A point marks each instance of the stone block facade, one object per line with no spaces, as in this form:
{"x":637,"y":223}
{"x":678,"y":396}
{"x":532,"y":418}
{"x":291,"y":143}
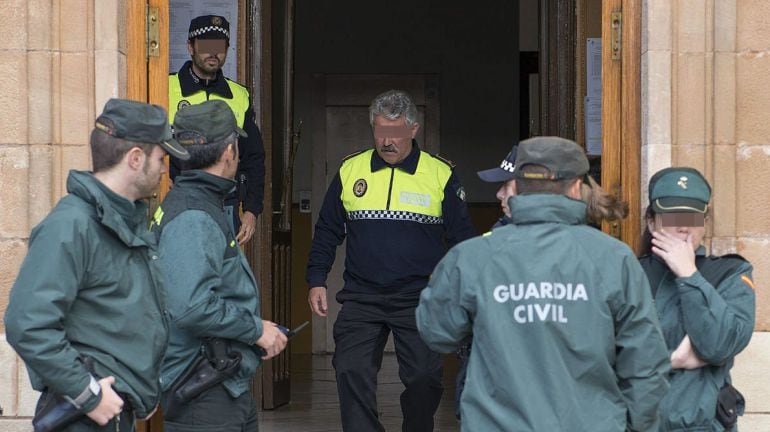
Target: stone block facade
{"x":704,"y":103}
{"x":63,"y":60}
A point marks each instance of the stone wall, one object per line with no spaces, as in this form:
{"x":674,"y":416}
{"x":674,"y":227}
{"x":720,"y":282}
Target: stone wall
{"x":62,"y":60}
{"x":706,"y":104}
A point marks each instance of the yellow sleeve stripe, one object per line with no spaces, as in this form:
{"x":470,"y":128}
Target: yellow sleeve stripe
{"x":747,"y":280}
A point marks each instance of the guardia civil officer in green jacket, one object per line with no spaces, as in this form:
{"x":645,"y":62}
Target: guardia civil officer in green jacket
{"x":565,"y":335}
{"x":87,"y":312}
{"x":705,"y":304}
{"x":212,"y":292}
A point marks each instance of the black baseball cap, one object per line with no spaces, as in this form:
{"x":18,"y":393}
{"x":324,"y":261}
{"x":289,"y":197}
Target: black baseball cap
{"x":204,"y":123}
{"x":563,"y":158}
{"x":501,"y":173}
{"x":209,"y":27}
{"x":139,"y":122}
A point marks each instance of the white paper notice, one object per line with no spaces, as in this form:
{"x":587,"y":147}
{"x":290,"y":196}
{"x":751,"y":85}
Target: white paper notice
{"x":593,"y":116}
{"x":594,"y":67}
{"x":181,"y":12}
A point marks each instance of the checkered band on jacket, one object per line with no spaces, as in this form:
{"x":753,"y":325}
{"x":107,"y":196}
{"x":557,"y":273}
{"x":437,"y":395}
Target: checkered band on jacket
{"x":395,"y":215}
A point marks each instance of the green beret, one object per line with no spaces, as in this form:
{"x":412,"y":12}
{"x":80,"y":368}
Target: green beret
{"x":679,"y":190}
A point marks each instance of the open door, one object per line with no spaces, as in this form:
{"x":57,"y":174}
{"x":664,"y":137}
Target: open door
{"x":621,"y":112}
{"x":147,"y":81}
{"x":562,"y":81}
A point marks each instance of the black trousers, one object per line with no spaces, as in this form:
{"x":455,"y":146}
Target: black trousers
{"x":214,"y":411}
{"x":360,"y":334}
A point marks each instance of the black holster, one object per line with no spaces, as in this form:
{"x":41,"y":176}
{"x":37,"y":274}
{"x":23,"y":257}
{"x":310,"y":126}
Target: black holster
{"x":58,"y":412}
{"x":730,"y":405}
{"x":215,"y":363}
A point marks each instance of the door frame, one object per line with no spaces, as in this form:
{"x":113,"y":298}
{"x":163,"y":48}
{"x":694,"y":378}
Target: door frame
{"x":621,"y":117}
{"x":621,"y":98}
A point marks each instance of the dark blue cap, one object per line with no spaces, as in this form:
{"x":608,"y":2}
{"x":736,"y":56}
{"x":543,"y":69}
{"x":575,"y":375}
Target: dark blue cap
{"x":504,"y":172}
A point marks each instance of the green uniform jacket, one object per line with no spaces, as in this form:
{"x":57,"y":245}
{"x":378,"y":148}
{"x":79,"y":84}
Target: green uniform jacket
{"x":565,"y":336}
{"x":90,"y":286}
{"x":211,"y":289}
{"x":719,"y":321}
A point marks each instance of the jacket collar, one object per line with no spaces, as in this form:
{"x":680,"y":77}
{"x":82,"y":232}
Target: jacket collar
{"x":408,"y":165}
{"x":212,"y":187}
{"x":191,"y":83}
{"x":545,"y":208}
{"x":127,"y":219}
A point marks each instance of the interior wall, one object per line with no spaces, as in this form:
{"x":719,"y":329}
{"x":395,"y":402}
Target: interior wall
{"x":473,"y":50}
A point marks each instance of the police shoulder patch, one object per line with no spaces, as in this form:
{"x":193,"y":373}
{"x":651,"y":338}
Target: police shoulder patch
{"x":445,"y":160}
{"x":461,"y":193}
{"x":356,"y":153}
{"x":182,"y":103}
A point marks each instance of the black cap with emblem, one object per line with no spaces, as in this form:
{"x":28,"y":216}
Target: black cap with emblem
{"x":209,"y":27}
{"x":501,"y":173}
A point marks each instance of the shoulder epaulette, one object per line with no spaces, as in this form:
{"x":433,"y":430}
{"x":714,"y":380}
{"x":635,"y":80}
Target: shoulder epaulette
{"x":729,"y":256}
{"x":442,"y":159}
{"x":236,"y":82}
{"x":355,"y":153}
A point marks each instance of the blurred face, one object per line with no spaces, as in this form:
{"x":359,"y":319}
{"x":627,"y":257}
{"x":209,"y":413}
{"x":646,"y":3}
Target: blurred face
{"x":507,"y":190}
{"x":208,"y":56}
{"x":680,"y":225}
{"x":153,"y":169}
{"x":393,"y":138}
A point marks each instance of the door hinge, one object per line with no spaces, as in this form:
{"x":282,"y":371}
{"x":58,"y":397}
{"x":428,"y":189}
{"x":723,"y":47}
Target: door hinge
{"x":153,"y":32}
{"x":617,"y":35}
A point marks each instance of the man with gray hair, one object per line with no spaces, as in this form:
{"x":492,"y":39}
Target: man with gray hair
{"x":399,"y":208}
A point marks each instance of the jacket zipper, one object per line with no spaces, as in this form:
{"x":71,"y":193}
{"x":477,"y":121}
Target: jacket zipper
{"x":390,"y":188}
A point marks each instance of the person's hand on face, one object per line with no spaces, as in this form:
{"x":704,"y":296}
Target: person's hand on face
{"x":678,"y":254}
{"x":675,"y":237}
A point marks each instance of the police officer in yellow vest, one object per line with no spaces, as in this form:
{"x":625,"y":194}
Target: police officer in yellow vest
{"x":201,"y":79}
{"x":399,"y":208}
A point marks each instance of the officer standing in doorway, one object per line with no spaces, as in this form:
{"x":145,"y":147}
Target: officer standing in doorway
{"x":399,"y":208}
{"x":565,"y":335}
{"x":201,"y":79}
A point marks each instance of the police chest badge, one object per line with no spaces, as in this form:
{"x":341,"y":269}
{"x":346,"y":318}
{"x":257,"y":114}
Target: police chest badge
{"x":182,"y":103}
{"x":359,"y":188}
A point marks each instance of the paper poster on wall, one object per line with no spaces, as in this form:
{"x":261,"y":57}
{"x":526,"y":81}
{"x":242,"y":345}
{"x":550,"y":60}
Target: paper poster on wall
{"x":593,"y":125}
{"x":181,"y":12}
{"x":594,"y":67}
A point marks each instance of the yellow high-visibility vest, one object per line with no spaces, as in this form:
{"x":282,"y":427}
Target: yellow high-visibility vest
{"x":390,"y":193}
{"x":239,"y":102}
